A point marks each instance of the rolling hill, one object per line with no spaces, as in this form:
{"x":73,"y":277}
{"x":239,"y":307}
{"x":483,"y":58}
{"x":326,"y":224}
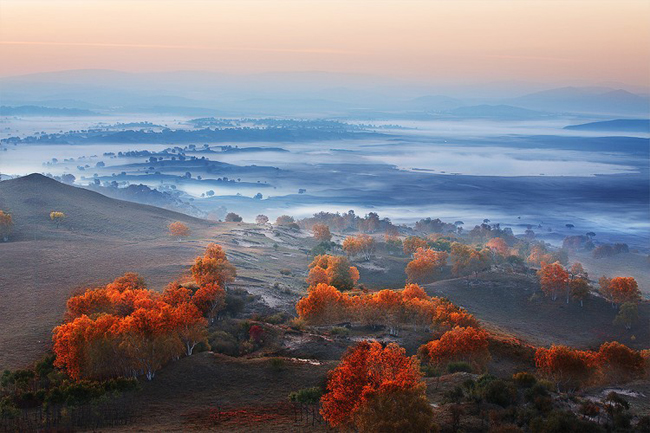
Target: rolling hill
{"x":617,"y":125}
{"x":101,"y":238}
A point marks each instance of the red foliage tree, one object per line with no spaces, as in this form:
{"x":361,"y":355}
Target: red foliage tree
{"x":569,"y":368}
{"x":619,"y":363}
{"x":554,"y":280}
{"x":178,"y":230}
{"x":366,"y":371}
{"x":459,"y":344}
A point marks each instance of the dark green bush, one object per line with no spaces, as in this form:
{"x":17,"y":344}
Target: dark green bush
{"x":307,"y":395}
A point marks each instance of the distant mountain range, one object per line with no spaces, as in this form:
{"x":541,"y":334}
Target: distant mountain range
{"x":585,"y":100}
{"x":301,"y":94}
{"x":618,"y":125}
{"x":34,"y":110}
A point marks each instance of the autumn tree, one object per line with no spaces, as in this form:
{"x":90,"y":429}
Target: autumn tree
{"x":619,"y":363}
{"x":412,"y":243}
{"x":465,"y":260}
{"x":568,"y":368}
{"x":261,"y":219}
{"x":332,"y":270}
{"x":372,"y":378}
{"x":57,"y":217}
{"x":554,"y":280}
{"x":622,"y":289}
{"x":321,"y":232}
{"x":286,"y":221}
{"x":124,"y":329}
{"x":425,"y":263}
{"x":178,"y":230}
{"x":362,"y":244}
{"x":499,"y":246}
{"x":459,"y":344}
{"x":324,"y":304}
{"x":213,"y":267}
{"x":6,"y":225}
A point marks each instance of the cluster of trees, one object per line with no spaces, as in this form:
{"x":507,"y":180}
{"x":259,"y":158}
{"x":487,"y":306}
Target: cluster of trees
{"x":466,"y":260}
{"x":425,"y":264}
{"x":571,"y":369}
{"x":232,"y":217}
{"x":574,"y":283}
{"x":125,"y":329}
{"x":377,"y":388}
{"x":468,"y":344}
{"x":325,"y":305}
{"x":428,"y":225}
{"x":538,"y":253}
{"x":6,"y":225}
{"x":602,"y":251}
{"x":362,"y":245}
{"x":349,"y":221}
{"x":332,"y":270}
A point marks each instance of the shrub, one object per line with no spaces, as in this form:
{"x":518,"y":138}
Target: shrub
{"x":307,"y":395}
{"x":524,"y":379}
{"x":500,"y":392}
{"x":223,"y":342}
{"x":277,"y":364}
{"x":285,"y":271}
{"x":459,"y":366}
{"x":340,"y":331}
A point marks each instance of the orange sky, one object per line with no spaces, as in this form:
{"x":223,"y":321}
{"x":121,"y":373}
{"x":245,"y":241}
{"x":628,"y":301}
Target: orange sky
{"x":462,"y":40}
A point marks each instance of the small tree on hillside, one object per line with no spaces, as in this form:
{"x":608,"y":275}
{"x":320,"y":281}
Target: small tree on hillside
{"x":232,"y":217}
{"x":6,"y":224}
{"x":57,"y":217}
{"x":554,"y":279}
{"x":627,"y":315}
{"x":178,"y":230}
{"x":261,"y":219}
{"x":321,"y":232}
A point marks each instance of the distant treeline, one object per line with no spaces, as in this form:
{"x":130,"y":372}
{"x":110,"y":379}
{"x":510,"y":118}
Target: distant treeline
{"x":170,"y":136}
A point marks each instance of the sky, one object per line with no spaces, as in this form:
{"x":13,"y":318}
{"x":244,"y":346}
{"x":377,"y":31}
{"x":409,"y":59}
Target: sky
{"x":586,"y":41}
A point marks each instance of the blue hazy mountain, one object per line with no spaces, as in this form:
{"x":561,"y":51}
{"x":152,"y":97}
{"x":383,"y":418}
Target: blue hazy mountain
{"x":617,"y":125}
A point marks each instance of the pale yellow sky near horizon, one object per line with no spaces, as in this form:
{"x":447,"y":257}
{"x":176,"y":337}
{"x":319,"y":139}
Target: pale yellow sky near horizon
{"x":446,"y":41}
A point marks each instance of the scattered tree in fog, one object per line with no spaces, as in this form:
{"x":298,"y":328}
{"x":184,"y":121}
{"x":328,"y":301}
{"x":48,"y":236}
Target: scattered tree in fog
{"x":412,"y":243}
{"x":321,"y":232}
{"x":6,"y":225}
{"x":232,"y":217}
{"x":620,"y":290}
{"x":178,"y":230}
{"x":261,"y":219}
{"x":627,"y":315}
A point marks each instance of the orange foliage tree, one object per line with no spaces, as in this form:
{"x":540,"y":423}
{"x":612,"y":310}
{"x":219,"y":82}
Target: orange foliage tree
{"x":124,"y":329}
{"x":568,"y":368}
{"x":363,"y":245}
{"x":465,"y":260}
{"x":178,"y":230}
{"x":321,"y":232}
{"x":333,"y":270}
{"x":213,"y":267}
{"x":620,"y":290}
{"x":425,"y":263}
{"x":412,"y":243}
{"x":367,"y":372}
{"x":554,"y":279}
{"x":324,"y":305}
{"x":499,"y":246}
{"x":6,"y":224}
{"x":459,"y":344}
